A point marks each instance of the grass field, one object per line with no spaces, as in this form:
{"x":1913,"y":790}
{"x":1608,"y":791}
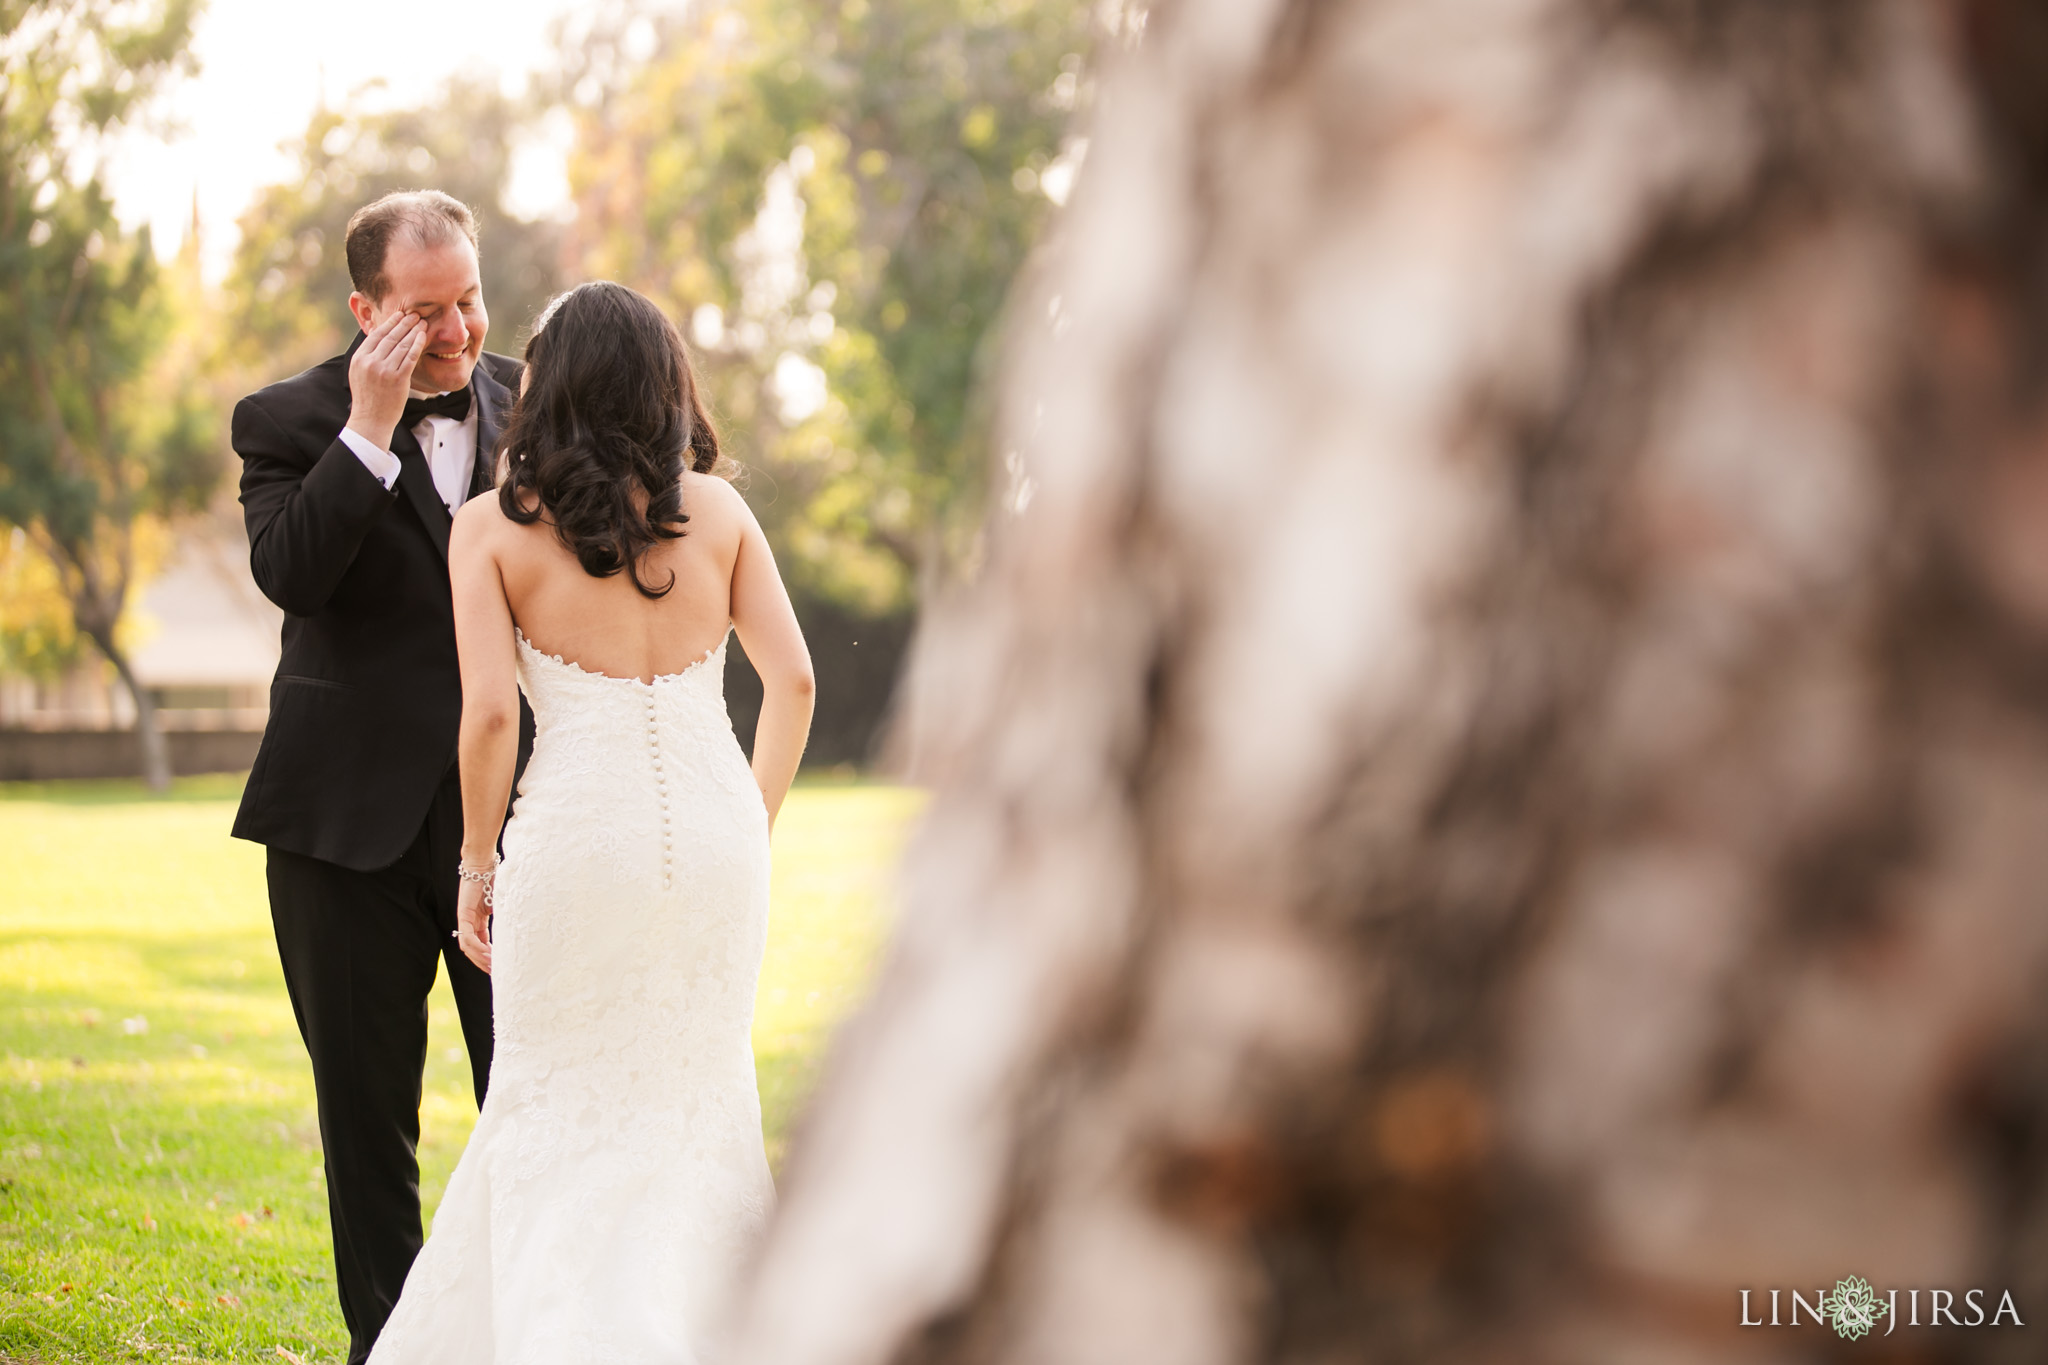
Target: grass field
{"x":161,"y":1196}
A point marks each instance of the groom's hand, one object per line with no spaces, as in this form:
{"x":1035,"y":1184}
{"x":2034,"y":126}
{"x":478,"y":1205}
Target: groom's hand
{"x":380,"y":376}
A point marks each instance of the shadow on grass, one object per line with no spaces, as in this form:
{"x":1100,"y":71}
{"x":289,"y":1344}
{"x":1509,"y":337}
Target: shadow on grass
{"x":159,"y":1194}
{"x":155,"y":1099}
{"x":126,"y":791}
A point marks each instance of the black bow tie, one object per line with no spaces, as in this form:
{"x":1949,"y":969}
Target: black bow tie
{"x":455,"y":404}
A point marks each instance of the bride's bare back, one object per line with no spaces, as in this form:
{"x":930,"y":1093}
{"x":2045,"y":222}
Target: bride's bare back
{"x":602,"y":624}
{"x":506,"y":576}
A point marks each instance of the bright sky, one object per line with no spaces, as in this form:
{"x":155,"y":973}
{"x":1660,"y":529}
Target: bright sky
{"x":264,"y":65}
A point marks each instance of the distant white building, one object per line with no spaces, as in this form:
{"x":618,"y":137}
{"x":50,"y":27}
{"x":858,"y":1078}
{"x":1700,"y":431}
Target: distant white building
{"x":209,"y":645}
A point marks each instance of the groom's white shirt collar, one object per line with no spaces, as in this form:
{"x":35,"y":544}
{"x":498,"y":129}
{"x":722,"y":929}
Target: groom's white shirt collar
{"x":450,"y":447}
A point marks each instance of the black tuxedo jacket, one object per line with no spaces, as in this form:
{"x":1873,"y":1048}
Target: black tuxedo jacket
{"x":367,"y":699}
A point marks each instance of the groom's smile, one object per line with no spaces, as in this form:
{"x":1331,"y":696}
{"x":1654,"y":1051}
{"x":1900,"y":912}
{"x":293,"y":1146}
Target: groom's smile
{"x":439,"y":283}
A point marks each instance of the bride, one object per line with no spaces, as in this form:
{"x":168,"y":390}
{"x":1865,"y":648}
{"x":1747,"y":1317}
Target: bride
{"x":616,"y":1175}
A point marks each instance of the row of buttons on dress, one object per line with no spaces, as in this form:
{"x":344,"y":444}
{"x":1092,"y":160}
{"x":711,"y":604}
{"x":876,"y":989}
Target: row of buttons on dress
{"x":660,"y":786}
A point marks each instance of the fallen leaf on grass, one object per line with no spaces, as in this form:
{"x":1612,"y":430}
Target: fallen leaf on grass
{"x":241,"y":1220}
{"x":228,"y":1301}
{"x":293,"y":1356}
{"x":66,"y":1287}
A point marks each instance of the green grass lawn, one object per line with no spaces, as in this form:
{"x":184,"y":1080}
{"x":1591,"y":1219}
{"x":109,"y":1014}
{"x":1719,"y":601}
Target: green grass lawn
{"x":161,"y":1196}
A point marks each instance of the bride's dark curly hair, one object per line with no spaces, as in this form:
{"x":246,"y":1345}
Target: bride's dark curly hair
{"x":610,"y":406}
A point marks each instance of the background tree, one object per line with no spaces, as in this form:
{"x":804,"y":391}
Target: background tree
{"x":37,"y":637}
{"x":834,"y":199}
{"x":99,"y":429}
{"x":289,"y":286}
{"x":838,"y":197}
{"x":1490,"y":796}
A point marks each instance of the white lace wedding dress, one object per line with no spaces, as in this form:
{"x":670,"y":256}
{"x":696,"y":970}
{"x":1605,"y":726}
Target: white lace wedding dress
{"x":616,"y":1176}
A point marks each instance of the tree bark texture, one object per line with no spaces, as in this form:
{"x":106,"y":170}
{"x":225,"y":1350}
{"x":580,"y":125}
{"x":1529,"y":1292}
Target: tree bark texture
{"x":1493,"y":790}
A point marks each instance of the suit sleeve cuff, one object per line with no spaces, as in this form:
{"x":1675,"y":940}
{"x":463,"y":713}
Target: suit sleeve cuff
{"x":381,"y":463}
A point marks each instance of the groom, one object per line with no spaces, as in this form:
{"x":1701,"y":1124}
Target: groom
{"x":350,"y":475}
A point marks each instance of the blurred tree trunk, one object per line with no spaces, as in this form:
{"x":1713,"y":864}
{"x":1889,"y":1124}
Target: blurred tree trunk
{"x":1493,"y":792}
{"x":94,"y":558}
{"x":95,"y":571}
{"x":149,"y":735}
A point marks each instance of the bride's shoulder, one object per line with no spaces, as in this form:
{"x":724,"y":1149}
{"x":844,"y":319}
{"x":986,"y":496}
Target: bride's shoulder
{"x":481,"y":523}
{"x":481,"y":513}
{"x":712,"y":497}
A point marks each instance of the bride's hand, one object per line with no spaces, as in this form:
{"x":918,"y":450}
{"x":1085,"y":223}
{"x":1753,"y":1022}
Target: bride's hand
{"x":473,"y":923}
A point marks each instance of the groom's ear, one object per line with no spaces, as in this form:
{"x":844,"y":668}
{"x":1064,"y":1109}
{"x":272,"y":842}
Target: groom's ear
{"x":365,"y":311}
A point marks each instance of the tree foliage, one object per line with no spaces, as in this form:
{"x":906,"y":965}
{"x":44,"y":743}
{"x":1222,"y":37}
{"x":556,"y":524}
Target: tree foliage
{"x":97,"y":433}
{"x":833,"y":198}
{"x":837,"y":196}
{"x":37,"y":637}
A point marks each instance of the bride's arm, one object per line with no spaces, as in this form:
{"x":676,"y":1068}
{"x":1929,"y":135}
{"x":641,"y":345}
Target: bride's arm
{"x":487,"y":746}
{"x":768,"y":631}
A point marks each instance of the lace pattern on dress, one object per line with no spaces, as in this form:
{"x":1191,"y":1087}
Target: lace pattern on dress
{"x":616,"y":1178}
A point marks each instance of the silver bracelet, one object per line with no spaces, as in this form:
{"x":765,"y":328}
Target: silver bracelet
{"x":470,"y":874}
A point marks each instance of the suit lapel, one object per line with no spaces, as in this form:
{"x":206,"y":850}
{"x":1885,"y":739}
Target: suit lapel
{"x":493,"y":406}
{"x":417,"y":481}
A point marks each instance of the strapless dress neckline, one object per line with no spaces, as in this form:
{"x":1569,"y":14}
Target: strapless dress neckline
{"x":537,"y":652}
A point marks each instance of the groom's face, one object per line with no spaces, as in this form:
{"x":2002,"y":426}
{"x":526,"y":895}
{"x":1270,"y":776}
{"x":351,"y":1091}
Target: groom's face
{"x":439,"y":283}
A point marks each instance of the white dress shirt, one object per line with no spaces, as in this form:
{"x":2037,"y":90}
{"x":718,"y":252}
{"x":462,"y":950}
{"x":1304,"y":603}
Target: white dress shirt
{"x":450,"y":448}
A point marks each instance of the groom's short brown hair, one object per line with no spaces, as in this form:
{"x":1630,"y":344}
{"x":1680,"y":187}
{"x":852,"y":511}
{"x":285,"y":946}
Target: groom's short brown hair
{"x":429,"y":217}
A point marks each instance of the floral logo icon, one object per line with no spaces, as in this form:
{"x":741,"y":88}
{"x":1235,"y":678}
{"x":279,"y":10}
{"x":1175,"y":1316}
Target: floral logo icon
{"x":1853,"y":1308}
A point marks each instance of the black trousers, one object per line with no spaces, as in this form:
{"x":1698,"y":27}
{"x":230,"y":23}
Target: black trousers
{"x":360,"y":951}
